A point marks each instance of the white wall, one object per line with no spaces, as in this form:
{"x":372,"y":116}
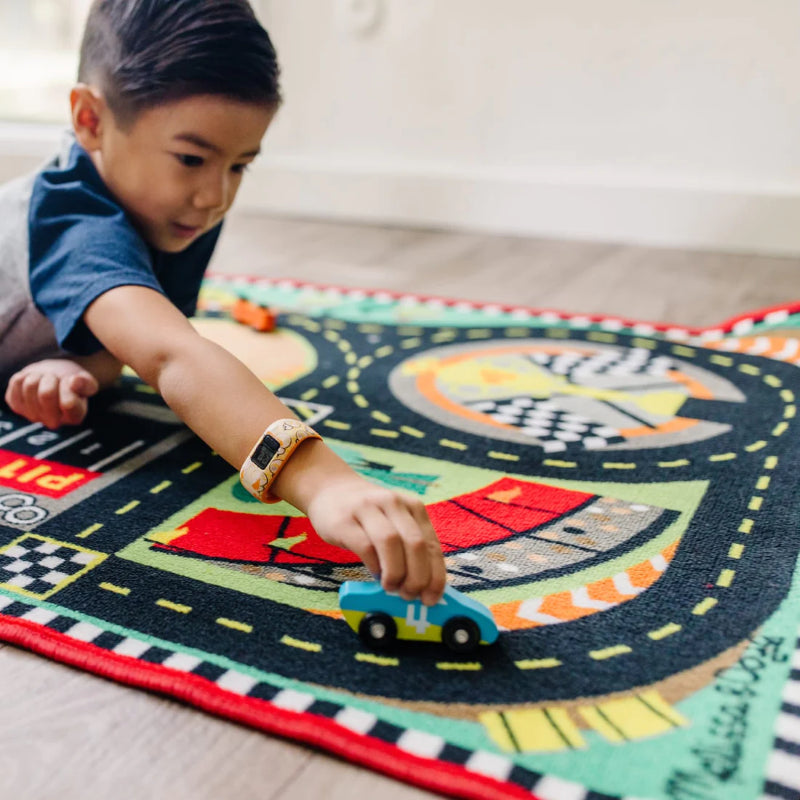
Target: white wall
{"x":672,"y":122}
{"x":641,"y":120}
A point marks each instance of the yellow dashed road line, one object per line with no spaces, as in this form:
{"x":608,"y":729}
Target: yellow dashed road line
{"x":160,"y":487}
{"x":459,"y":666}
{"x":736,"y":550}
{"x":722,"y":361}
{"x":179,"y":607}
{"x":749,"y":369}
{"x":550,"y":462}
{"x":311,"y":647}
{"x":129,"y":507}
{"x":341,"y":426}
{"x":725,"y":578}
{"x":381,"y":661}
{"x":502,"y":456}
{"x":110,"y":587}
{"x":192,"y":467}
{"x":412,"y":431}
{"x":661,"y":633}
{"x":610,"y":652}
{"x":89,"y":531}
{"x":234,"y":625}
{"x":384,"y":433}
{"x":538,"y":663}
{"x":704,"y":605}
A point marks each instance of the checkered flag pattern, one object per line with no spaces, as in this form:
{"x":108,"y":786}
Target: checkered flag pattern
{"x":549,"y":424}
{"x":615,"y":363}
{"x":38,"y":569}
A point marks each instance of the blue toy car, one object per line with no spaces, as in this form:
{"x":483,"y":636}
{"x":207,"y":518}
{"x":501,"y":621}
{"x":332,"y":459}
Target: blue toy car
{"x":380,"y":618}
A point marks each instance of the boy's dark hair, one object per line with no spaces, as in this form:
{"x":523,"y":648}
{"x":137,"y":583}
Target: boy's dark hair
{"x":143,"y":53}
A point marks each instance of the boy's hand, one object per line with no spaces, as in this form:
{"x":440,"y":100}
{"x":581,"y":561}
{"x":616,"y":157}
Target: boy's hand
{"x":389,"y":532}
{"x":54,"y":392}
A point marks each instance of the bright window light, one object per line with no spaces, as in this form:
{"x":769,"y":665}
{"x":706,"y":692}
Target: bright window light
{"x":39,"y":41}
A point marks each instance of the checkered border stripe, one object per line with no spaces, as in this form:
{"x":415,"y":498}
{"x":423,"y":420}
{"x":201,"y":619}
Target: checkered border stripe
{"x":481,"y":763}
{"x":740,"y":325}
{"x":783,"y":766}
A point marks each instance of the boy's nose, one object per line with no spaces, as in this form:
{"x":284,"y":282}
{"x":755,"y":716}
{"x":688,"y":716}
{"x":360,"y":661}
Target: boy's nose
{"x":212,"y":195}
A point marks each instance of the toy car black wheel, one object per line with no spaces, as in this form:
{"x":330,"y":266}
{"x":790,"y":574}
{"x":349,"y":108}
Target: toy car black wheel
{"x":461,"y":634}
{"x":377,"y":630}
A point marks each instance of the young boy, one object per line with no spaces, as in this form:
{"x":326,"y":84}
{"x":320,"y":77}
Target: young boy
{"x":103,"y":251}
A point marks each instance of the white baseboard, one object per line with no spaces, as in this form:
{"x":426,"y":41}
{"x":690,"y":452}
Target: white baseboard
{"x":566,"y":206}
{"x":558,"y":204}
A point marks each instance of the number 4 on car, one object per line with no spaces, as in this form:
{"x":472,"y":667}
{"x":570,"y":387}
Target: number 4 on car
{"x":380,"y":618}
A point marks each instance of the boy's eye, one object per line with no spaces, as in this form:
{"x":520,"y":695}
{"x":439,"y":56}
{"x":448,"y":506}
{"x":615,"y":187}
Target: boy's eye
{"x":239,"y":168}
{"x":189,"y":160}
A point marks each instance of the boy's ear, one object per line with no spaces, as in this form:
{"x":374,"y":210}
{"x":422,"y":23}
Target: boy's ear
{"x":88,"y":115}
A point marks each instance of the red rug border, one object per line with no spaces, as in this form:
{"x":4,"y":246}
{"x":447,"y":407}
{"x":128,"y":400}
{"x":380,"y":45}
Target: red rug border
{"x":302,"y":726}
{"x":726,"y":325}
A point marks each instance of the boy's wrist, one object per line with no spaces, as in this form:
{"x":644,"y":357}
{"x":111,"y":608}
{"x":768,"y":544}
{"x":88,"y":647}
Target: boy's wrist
{"x":270,"y":454}
{"x":312,"y":468}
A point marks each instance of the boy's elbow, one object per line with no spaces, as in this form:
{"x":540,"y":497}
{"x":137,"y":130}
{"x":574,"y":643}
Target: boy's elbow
{"x":164,"y":362}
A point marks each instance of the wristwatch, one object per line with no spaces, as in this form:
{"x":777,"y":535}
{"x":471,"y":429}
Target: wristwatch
{"x":270,"y":454}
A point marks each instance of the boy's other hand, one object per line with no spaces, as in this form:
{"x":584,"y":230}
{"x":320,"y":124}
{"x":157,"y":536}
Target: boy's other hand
{"x":54,"y":392}
{"x":389,"y":532}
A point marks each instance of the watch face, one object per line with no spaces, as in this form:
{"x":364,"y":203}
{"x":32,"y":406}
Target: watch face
{"x":265,"y":450}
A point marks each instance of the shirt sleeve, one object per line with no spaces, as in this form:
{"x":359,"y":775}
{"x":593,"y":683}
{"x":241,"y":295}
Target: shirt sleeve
{"x":81,"y":245}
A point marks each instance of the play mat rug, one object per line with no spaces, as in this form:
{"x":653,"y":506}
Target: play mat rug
{"x":623,"y":496}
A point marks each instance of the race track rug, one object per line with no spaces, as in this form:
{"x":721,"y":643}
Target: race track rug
{"x":623,"y":496}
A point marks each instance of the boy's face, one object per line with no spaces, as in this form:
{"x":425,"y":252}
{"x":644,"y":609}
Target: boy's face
{"x":177,"y":168}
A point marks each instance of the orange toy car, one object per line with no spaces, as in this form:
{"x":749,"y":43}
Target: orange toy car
{"x":260,"y":318}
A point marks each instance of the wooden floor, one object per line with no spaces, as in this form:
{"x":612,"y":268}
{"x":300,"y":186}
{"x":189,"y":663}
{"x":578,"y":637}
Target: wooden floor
{"x":69,"y":735}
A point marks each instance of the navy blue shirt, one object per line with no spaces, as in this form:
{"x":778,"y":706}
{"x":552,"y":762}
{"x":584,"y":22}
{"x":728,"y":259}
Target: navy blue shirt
{"x":82,"y":243}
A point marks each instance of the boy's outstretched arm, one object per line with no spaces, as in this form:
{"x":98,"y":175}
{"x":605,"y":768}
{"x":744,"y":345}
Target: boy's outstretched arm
{"x":225,"y":404}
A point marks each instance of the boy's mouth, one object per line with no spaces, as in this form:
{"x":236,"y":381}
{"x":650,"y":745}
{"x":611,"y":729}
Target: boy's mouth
{"x":185,"y":231}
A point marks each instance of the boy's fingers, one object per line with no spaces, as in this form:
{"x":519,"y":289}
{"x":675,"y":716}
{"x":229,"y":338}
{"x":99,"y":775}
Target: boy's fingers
{"x":48,"y":400}
{"x":72,"y":405}
{"x":30,"y":392}
{"x":14,"y":396}
{"x":358,"y":541}
{"x":84,"y":384}
{"x":417,"y":553}
{"x":382,"y":533}
{"x":432,"y":592}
